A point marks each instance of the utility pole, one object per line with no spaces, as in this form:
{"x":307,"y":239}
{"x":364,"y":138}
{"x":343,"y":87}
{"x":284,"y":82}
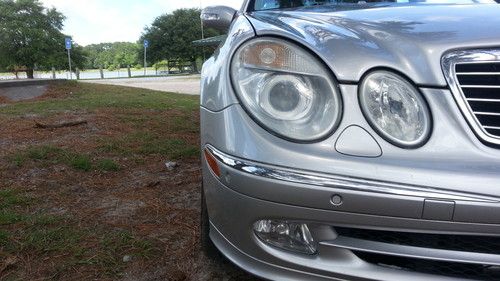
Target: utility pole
{"x":202,"y":33}
{"x":146,"y":45}
{"x":68,"y":43}
{"x":69,"y":61}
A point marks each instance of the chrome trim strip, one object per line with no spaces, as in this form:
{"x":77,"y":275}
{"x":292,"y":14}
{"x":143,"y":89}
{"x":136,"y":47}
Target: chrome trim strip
{"x":491,"y":127}
{"x":361,"y":245}
{"x":480,"y":86}
{"x":479,"y":73}
{"x":483,"y":100}
{"x":336,"y":181}
{"x":448,"y":63}
{"x":486,"y":113}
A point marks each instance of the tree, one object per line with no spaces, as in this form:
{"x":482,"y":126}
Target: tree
{"x":107,"y":55}
{"x":31,"y":37}
{"x":171,"y":37}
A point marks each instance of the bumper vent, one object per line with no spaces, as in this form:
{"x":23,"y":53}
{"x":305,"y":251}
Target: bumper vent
{"x":474,"y":78}
{"x":468,"y":245}
{"x":457,"y":270}
{"x":465,"y":243}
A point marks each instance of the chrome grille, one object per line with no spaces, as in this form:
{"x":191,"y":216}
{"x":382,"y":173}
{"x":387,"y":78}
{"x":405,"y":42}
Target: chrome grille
{"x":474,"y":78}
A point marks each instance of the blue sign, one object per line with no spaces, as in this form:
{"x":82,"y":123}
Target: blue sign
{"x":146,"y":43}
{"x":67,"y":42}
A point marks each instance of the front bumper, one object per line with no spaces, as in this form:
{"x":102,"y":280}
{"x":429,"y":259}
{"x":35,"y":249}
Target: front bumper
{"x":248,"y":191}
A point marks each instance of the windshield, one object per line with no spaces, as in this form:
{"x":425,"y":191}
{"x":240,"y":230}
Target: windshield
{"x":282,"y":4}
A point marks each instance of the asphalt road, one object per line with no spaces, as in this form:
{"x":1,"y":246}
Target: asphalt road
{"x":23,"y":92}
{"x":176,"y":84}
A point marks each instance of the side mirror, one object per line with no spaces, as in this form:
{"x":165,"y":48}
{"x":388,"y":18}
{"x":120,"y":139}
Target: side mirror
{"x":218,"y":17}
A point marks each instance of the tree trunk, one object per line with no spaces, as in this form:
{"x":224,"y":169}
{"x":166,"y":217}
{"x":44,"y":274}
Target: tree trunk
{"x":195,"y":67}
{"x":30,"y":73}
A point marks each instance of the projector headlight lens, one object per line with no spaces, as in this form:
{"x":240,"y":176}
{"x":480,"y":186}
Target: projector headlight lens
{"x":395,"y":109}
{"x":286,"y":89}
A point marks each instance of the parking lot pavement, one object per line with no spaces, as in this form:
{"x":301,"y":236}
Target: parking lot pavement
{"x":175,"y":84}
{"x":23,"y":93}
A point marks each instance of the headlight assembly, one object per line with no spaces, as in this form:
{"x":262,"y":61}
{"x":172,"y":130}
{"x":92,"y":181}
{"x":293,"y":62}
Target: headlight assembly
{"x":286,"y":89}
{"x":395,"y":109}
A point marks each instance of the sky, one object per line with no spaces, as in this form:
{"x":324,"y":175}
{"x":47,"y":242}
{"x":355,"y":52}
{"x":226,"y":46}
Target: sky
{"x":98,"y":21}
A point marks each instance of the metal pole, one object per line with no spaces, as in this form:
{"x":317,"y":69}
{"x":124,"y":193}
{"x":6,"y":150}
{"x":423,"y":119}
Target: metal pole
{"x":202,"y":33}
{"x":145,"y":62}
{"x":69,"y":61}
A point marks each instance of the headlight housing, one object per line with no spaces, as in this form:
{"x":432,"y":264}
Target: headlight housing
{"x":286,"y":89}
{"x":395,"y":109}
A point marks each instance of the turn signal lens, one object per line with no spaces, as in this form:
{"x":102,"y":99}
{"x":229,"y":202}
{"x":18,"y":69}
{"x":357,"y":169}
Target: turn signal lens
{"x":289,"y":236}
{"x":212,"y":162}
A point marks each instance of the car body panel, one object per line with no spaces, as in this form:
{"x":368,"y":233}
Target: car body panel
{"x":352,"y":39}
{"x":230,"y":231}
{"x":453,"y":159}
{"x":448,"y":186}
{"x":216,"y":92}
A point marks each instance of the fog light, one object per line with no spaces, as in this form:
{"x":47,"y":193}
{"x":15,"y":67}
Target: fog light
{"x":290,"y":236}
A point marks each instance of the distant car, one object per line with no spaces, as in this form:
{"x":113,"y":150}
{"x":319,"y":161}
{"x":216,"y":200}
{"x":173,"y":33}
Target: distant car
{"x":354,"y":140}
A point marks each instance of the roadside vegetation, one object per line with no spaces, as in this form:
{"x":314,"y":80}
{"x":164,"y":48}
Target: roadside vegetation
{"x":96,"y":201}
{"x":39,"y":31}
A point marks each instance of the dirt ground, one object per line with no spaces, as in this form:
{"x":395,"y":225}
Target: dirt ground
{"x":96,"y":201}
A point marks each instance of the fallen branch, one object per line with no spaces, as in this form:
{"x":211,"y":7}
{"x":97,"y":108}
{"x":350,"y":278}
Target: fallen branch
{"x":10,"y":261}
{"x":60,"y":125}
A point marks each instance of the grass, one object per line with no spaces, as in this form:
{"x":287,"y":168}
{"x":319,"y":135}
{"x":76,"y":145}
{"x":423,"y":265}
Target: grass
{"x":108,"y":165}
{"x":50,"y":236}
{"x":89,"y":97}
{"x":145,"y":143}
{"x":159,"y":136}
{"x":127,"y":130}
{"x":49,"y":155}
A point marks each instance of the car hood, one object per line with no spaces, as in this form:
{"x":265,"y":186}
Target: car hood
{"x":411,"y":39}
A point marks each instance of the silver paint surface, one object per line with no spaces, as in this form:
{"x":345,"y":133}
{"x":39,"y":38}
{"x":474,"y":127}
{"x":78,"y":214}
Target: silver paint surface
{"x":410,"y":39}
{"x":350,"y":40}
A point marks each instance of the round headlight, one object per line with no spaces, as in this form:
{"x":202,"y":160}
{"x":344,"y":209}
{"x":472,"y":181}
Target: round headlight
{"x":286,"y":89}
{"x":395,"y":109}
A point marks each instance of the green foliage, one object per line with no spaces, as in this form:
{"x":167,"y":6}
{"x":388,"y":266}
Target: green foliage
{"x":10,"y":198}
{"x":112,"y":55}
{"x":48,"y":154}
{"x":93,"y":96}
{"x":80,"y":162}
{"x":107,"y":165}
{"x":171,"y":36}
{"x":31,"y":37}
{"x":24,"y":231}
{"x":161,"y":64}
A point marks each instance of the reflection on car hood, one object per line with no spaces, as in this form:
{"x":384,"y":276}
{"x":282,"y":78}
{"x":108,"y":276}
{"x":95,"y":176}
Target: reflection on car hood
{"x":409,"y":38}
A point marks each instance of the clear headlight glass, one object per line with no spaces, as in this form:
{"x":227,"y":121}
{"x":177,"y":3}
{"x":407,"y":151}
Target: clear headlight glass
{"x":395,"y":109}
{"x":286,"y":89}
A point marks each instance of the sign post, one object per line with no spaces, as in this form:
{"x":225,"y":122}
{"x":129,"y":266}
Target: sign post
{"x":68,"y":43}
{"x":146,"y":46}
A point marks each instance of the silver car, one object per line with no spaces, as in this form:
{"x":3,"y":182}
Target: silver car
{"x":354,"y":140}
